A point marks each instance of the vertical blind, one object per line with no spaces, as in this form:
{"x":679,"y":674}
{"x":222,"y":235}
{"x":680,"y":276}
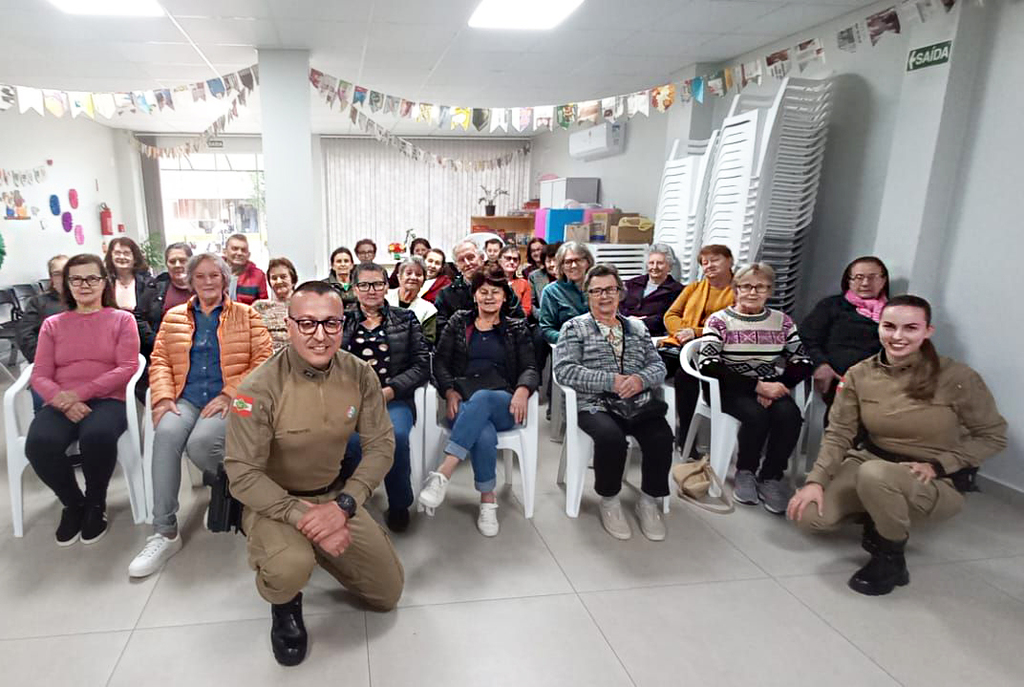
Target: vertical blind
{"x":373,"y":191}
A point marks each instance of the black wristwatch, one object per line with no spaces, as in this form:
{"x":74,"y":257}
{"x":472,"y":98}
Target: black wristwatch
{"x":347,"y":504}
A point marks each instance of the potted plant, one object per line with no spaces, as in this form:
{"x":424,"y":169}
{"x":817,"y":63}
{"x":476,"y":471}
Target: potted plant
{"x":489,"y":198}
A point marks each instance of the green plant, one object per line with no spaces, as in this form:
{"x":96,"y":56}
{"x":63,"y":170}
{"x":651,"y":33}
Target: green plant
{"x":153,"y":250}
{"x":490,"y":196}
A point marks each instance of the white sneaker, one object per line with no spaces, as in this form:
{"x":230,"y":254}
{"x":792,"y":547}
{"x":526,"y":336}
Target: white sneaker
{"x":487,"y":521}
{"x":651,"y":523}
{"x":154,"y":554}
{"x":432,"y":495}
{"x":614,"y":521}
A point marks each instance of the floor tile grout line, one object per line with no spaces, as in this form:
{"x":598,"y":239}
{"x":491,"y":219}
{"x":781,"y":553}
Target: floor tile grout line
{"x":366,"y":634}
{"x":848,"y":640}
{"x":606,"y":640}
{"x":120,"y":656}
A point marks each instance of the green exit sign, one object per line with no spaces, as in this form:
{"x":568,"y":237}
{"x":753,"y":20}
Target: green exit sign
{"x":929,"y":56}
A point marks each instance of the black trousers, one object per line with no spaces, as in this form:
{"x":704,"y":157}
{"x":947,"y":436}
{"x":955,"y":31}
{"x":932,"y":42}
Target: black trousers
{"x":49,"y":436}
{"x":779,"y":423}
{"x":541,"y":351}
{"x":687,"y":389}
{"x":609,"y":434}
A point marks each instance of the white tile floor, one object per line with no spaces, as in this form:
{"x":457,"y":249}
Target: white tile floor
{"x":742,"y":599}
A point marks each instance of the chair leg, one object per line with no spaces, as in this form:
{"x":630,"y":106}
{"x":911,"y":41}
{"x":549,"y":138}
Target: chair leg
{"x":691,"y":436}
{"x":17,"y":510}
{"x":560,"y":479}
{"x":723,"y":445}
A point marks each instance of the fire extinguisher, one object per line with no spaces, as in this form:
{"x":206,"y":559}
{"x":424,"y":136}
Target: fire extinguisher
{"x":106,"y":220}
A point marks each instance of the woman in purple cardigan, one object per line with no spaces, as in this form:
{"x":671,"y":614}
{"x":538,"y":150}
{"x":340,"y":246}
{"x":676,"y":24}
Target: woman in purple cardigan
{"x":84,"y":360}
{"x":649,"y":296}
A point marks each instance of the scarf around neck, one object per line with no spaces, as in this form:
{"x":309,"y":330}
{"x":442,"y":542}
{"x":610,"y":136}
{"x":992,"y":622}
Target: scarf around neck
{"x":870,"y":308}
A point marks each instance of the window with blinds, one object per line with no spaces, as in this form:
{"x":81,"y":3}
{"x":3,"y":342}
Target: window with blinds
{"x":372,"y":190}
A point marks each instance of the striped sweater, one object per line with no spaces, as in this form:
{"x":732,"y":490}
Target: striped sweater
{"x":741,"y":350}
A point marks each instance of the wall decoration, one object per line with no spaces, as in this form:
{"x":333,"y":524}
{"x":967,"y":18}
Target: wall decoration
{"x":543,"y":117}
{"x":663,"y":97}
{"x":66,"y":221}
{"x":750,"y":72}
{"x":778,"y":64}
{"x":376,"y":101}
{"x":716,"y":84}
{"x":499,"y":119}
{"x":79,"y":234}
{"x":809,"y":52}
{"x":73,"y":199}
{"x":359,"y":97}
{"x":55,"y":205}
{"x":481,"y":118}
{"x":216,"y":87}
{"x":29,"y":99}
{"x":8,"y":96}
{"x":588,"y":112}
{"x":14,"y":205}
{"x":881,"y":23}
{"x":24,"y":177}
{"x":461,"y":116}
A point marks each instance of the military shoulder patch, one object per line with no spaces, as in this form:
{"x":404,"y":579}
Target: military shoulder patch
{"x":351,"y":412}
{"x":242,"y":405}
{"x":841,"y":385}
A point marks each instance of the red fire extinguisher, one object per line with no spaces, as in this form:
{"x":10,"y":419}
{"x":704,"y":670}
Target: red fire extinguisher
{"x":106,"y":220}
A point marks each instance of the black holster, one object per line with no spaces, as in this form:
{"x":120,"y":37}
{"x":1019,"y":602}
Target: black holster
{"x":225,"y":513}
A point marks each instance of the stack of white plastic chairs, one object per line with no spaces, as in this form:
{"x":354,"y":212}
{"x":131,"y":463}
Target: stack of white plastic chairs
{"x":681,"y":199}
{"x":794,"y":147}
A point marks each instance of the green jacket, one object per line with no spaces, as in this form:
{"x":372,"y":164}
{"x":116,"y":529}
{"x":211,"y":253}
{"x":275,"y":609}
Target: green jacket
{"x":560,"y":302}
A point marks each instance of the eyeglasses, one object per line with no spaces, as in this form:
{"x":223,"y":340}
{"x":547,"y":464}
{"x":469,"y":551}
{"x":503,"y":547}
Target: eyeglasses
{"x":606,"y":291}
{"x":756,"y":288}
{"x":865,"y":277}
{"x":570,"y":262}
{"x":366,"y":286}
{"x":510,"y":258}
{"x":366,"y":253}
{"x":91,"y":280}
{"x":57,"y":275}
{"x":332,"y":325}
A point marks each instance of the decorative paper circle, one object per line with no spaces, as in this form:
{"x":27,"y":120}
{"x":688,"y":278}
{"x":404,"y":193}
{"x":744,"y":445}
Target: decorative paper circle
{"x":79,"y":234}
{"x":65,"y":220}
{"x":73,"y":199}
{"x":55,"y":205}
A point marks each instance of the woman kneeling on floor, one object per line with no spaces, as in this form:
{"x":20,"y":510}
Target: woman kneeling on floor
{"x":611,"y":362}
{"x":484,"y":367}
{"x":744,"y":345}
{"x":907,"y":432}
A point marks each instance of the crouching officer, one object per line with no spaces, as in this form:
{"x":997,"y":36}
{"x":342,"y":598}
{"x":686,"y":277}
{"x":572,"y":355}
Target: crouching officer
{"x":286,"y":438}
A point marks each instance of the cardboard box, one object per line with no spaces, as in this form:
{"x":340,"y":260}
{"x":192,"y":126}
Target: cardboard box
{"x":577,"y":231}
{"x":632,"y":230}
{"x":604,"y":221}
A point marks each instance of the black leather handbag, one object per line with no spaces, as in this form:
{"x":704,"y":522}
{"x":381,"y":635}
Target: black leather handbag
{"x":490,"y":379}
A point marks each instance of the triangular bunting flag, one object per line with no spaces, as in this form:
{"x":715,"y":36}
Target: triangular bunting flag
{"x":424,"y":113}
{"x":29,"y":99}
{"x":566,"y":115}
{"x":198,"y":92}
{"x":216,"y":87}
{"x":405,"y":109}
{"x":698,"y":89}
{"x":104,"y":104}
{"x":499,"y":119}
{"x":663,"y":97}
{"x":543,"y":117}
{"x":391,"y":105}
{"x":589,"y":111}
{"x":245,"y":76}
{"x":481,"y":118}
{"x":608,"y":109}
{"x":359,"y":97}
{"x":461,"y":117}
{"x":376,"y":101}
{"x":444,"y":116}
{"x":55,"y":102}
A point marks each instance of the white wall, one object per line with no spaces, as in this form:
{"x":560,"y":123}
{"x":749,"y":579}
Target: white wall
{"x":978,"y":320}
{"x":83,"y":154}
{"x":629,"y":181}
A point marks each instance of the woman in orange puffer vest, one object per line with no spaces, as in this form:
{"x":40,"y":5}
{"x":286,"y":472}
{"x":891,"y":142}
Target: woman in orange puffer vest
{"x":204,"y":350}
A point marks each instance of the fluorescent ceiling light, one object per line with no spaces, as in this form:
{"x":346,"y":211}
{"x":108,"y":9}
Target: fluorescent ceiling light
{"x":111,"y":8}
{"x":537,"y":15}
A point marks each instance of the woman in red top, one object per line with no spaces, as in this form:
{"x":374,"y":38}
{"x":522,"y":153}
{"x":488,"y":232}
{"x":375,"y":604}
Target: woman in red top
{"x":84,"y":360}
{"x":437,"y":274}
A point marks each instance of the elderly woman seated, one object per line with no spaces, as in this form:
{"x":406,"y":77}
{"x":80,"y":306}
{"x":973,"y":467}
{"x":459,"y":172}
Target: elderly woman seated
{"x":649,"y":296}
{"x":612,"y":364}
{"x":756,"y":354}
{"x":484,"y":368}
{"x":283,"y":279}
{"x":391,"y":341}
{"x":204,"y":349}
{"x":412,"y":272}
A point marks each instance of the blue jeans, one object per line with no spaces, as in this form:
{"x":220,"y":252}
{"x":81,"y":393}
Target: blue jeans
{"x":475,"y":432}
{"x":397,"y":481}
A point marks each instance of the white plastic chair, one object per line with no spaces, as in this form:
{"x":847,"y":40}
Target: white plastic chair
{"x":724,"y":427}
{"x":578,"y":451}
{"x":417,"y":440}
{"x":521,"y":440}
{"x":128,"y":455}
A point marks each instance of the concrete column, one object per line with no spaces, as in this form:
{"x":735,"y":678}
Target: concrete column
{"x":293,"y":220}
{"x":927,"y":143}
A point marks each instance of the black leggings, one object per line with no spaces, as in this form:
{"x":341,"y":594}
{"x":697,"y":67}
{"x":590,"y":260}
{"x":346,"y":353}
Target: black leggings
{"x":49,"y":436}
{"x":779,"y":423}
{"x":609,"y":434}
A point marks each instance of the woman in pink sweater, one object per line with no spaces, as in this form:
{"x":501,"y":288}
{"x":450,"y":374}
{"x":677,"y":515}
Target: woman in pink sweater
{"x":84,"y":360}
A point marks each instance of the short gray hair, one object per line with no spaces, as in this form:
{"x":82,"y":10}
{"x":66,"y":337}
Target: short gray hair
{"x":602,"y":269}
{"x":761,"y":269}
{"x":193,"y":264}
{"x":358,"y":270}
{"x":412,"y":261}
{"x":664,"y":249}
{"x":180,"y":245}
{"x":572,"y":247}
{"x":479,"y":251}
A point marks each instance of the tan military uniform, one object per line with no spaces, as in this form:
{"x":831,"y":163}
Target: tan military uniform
{"x":287,"y":432}
{"x":958,"y":428}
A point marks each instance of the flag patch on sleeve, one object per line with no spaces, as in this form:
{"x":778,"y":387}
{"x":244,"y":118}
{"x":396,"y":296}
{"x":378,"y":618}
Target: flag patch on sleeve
{"x":242,"y":405}
{"x":841,"y":384}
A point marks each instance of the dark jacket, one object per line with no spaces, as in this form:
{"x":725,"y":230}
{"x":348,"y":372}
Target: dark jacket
{"x":37,"y":309}
{"x":452,"y":353}
{"x":346,"y":291}
{"x":409,"y":366}
{"x":651,"y":310}
{"x":459,"y":296}
{"x":835,"y":333}
{"x":149,"y":309}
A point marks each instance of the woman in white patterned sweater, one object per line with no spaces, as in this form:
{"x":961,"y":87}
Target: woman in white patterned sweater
{"x":756,"y":354}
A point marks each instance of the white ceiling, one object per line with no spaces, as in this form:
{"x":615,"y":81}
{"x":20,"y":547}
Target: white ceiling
{"x":416,"y":49}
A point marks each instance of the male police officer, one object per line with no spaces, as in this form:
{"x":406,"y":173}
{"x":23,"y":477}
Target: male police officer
{"x":286,"y":438}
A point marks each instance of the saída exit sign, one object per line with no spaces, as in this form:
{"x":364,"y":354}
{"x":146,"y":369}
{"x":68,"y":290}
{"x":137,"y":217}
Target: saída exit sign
{"x":929,"y":56}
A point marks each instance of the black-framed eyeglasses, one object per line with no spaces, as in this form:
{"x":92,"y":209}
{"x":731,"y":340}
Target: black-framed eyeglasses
{"x":366,"y":286}
{"x":756,"y":288}
{"x":307,"y":327}
{"x":606,"y":291}
{"x":91,"y":280}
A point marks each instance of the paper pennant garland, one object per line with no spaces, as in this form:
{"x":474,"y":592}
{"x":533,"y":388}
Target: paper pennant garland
{"x":565,"y":115}
{"x":216,"y":87}
{"x":29,"y":99}
{"x":499,"y":120}
{"x":245,"y":76}
{"x":164,"y":99}
{"x":729,"y":81}
{"x":716,"y":84}
{"x":608,"y":109}
{"x":778,"y":64}
{"x":198,"y":92}
{"x":881,"y":23}
{"x":461,"y":116}
{"x":809,"y":52}
{"x":391,"y":104}
{"x":376,"y":101}
{"x":588,"y":112}
{"x":359,"y":97}
{"x":481,"y":118}
{"x":104,"y":104}
{"x":543,"y":117}
{"x":663,"y":97}
{"x":8,"y":96}
{"x":425,"y":113}
{"x":698,"y":89}
{"x":316,"y":79}
{"x":750,"y":73}
{"x":344,"y":88}
{"x":25,"y":177}
{"x":81,"y":103}
{"x":443,"y":116}
{"x":55,"y":102}
{"x":405,"y":109}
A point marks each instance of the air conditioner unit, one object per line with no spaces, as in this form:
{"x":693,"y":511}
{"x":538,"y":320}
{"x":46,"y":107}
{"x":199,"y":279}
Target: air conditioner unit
{"x":601,"y":140}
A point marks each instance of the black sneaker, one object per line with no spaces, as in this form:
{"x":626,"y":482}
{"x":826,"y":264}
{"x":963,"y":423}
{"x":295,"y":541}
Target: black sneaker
{"x":94,"y":524}
{"x":70,"y":526}
{"x":398,"y":519}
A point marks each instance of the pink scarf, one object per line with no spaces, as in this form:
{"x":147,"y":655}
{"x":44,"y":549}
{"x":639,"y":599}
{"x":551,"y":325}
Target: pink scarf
{"x":870,"y":308}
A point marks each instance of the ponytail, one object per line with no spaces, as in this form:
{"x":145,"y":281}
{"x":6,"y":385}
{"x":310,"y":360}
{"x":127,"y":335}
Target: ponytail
{"x":925,"y":378}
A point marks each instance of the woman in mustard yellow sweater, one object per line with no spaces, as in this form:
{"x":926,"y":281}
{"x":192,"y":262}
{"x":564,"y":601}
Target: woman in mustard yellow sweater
{"x":685,"y":319}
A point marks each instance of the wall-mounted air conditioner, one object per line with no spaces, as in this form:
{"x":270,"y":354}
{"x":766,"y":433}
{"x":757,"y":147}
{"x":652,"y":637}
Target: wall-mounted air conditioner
{"x":601,"y":140}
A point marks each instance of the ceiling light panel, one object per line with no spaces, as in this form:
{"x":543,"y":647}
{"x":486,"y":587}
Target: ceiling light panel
{"x":523,"y":15}
{"x":110,"y":8}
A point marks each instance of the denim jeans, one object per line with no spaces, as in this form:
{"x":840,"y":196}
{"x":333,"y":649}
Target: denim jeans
{"x":397,"y":481}
{"x":475,"y":432}
{"x":203,"y":438}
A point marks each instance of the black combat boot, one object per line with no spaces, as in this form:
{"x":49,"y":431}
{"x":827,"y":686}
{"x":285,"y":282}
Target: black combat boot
{"x":288,"y":632}
{"x":886,"y":570}
{"x":869,"y":537}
